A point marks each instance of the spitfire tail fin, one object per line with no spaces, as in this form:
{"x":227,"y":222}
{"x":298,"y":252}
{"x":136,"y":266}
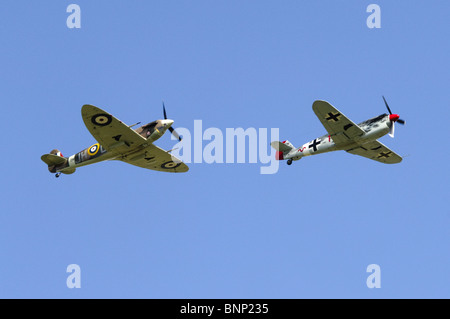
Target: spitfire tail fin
{"x":282,"y":148}
{"x":57,"y":162}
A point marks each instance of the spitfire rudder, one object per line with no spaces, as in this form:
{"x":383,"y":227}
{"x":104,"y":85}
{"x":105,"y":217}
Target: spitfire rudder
{"x":54,"y":160}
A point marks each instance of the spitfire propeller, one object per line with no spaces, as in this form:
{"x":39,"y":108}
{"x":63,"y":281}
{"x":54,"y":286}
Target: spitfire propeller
{"x":393,"y":118}
{"x":171,"y":129}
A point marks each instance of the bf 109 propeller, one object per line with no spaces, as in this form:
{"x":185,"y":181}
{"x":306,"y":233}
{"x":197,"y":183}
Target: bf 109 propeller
{"x":393,"y":118}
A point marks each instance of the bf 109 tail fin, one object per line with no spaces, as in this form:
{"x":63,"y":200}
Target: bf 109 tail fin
{"x":282,"y":148}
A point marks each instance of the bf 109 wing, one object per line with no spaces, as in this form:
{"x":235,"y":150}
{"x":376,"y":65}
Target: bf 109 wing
{"x":111,"y":133}
{"x":155,"y":158}
{"x":377,"y":152}
{"x":341,"y":129}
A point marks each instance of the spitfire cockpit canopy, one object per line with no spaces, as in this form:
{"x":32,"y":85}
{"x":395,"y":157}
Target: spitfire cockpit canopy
{"x":148,"y":129}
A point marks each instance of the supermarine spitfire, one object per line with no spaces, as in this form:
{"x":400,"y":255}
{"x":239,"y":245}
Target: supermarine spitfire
{"x":118,"y":141}
{"x":345,"y":135}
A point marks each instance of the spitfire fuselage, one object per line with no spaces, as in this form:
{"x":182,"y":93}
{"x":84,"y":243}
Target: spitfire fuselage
{"x":96,"y":153}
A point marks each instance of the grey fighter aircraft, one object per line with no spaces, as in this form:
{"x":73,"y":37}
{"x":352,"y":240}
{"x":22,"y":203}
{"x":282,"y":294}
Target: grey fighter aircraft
{"x":345,"y":135}
{"x":118,"y":141}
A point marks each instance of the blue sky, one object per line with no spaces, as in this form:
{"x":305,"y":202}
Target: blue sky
{"x":224,"y":230}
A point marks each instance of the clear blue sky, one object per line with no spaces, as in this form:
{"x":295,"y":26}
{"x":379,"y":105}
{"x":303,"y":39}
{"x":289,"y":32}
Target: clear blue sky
{"x":224,"y":230}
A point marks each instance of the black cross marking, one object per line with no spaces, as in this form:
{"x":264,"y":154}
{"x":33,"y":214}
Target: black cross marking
{"x":314,"y":144}
{"x":332,"y":116}
{"x":383,"y":154}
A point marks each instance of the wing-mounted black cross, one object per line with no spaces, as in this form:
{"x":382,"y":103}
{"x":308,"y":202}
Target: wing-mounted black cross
{"x":332,"y":116}
{"x":383,"y":154}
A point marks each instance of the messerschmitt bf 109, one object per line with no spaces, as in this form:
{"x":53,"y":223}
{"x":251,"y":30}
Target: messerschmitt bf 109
{"x":118,"y":141}
{"x":345,"y":135}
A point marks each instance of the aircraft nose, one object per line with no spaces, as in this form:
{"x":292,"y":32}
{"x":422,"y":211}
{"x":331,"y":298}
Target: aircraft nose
{"x":394,"y":117}
{"x":167,"y":123}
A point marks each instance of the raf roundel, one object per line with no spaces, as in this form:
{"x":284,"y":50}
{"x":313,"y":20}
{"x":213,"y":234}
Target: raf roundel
{"x":170,"y":165}
{"x":93,"y":149}
{"x":101,"y":119}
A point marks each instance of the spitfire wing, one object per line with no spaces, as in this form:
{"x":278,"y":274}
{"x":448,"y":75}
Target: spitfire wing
{"x":114,"y":135}
{"x":155,"y":158}
{"x":341,"y":129}
{"x":377,"y":152}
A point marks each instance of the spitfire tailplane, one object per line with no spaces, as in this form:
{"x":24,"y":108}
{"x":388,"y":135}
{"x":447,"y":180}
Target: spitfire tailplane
{"x":57,"y":163}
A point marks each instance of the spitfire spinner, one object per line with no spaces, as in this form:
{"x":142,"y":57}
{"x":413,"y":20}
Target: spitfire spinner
{"x":345,"y":135}
{"x":118,"y":141}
